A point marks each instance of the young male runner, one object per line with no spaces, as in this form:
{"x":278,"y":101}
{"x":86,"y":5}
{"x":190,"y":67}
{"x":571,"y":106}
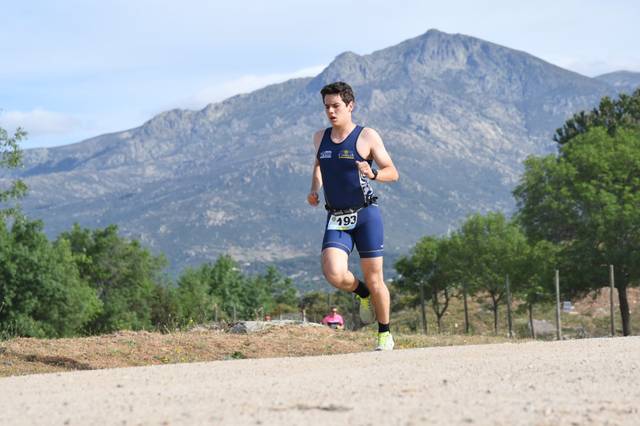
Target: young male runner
{"x":344,"y":153}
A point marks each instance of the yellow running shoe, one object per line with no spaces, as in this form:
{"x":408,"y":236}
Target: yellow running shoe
{"x":367,"y":315}
{"x":384,"y":342}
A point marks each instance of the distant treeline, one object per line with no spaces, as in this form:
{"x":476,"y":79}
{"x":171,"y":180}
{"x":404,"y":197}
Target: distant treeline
{"x":94,"y":281}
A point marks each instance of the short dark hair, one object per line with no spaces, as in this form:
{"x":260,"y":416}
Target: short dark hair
{"x":339,"y":88}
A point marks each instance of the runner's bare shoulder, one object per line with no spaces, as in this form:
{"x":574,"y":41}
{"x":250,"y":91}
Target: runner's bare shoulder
{"x":371,"y":136}
{"x":368,"y":142}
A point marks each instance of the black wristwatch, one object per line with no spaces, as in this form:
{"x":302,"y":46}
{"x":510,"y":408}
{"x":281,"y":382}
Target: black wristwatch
{"x":375,"y":174}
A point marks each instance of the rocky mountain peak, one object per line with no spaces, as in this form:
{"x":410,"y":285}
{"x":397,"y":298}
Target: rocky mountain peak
{"x":447,"y":50}
{"x":458,"y":114}
{"x":348,"y":66}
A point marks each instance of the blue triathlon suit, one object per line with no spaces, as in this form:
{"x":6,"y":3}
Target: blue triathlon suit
{"x":345,"y":188}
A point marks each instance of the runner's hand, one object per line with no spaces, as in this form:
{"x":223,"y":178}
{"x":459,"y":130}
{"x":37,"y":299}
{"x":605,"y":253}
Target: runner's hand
{"x":365,"y":168}
{"x":313,"y":198}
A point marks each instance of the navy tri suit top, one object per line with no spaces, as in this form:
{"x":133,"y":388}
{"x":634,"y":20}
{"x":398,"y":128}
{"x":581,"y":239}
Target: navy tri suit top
{"x":344,"y":186}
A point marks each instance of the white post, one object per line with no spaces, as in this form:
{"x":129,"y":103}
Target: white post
{"x":509,"y":318}
{"x":558,"y":325}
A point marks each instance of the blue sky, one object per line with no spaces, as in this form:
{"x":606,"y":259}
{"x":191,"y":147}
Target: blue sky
{"x":75,"y":69}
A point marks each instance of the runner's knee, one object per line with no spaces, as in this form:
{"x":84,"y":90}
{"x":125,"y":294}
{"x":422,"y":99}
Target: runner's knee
{"x":374,"y":282}
{"x":333,"y":273}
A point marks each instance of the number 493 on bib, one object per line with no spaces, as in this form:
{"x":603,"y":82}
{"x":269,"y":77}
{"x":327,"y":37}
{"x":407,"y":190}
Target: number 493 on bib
{"x":343,"y":222}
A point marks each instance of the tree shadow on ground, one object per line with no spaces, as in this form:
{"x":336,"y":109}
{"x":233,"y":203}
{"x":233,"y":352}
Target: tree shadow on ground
{"x":56,"y":361}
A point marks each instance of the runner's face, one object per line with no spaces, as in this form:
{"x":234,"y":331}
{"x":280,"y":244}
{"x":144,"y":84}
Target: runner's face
{"x":338,"y":113}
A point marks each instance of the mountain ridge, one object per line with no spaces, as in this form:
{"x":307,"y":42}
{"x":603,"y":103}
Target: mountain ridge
{"x":457,"y":114}
{"x":624,"y":81}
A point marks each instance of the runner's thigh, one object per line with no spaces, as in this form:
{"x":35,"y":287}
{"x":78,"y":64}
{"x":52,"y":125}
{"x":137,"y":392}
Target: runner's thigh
{"x":369,"y":233}
{"x":337,"y":239}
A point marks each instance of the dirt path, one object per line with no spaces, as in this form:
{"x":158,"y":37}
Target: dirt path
{"x":595,"y":381}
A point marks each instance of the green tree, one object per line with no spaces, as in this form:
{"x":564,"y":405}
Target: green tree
{"x":41,"y":291}
{"x":228,"y":285}
{"x":611,"y":115}
{"x":281,"y":288}
{"x":492,"y":248}
{"x":221,"y":291}
{"x":416,"y":272}
{"x":197,"y":304}
{"x":453,"y":262}
{"x":272,"y":293}
{"x":165,"y":308}
{"x":123,"y":274}
{"x":255,"y":297}
{"x":586,"y":200}
{"x":410,"y":289}
{"x":11,"y":158}
{"x":536,"y":278}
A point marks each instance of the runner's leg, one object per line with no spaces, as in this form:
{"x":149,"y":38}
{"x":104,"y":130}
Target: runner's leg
{"x":373,"y":277}
{"x":335,"y":267}
{"x":369,"y":238}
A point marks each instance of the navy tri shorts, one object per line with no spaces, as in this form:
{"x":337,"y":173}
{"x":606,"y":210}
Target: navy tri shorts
{"x":367,"y":236}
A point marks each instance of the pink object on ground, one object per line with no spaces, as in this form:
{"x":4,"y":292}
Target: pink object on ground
{"x":333,"y":320}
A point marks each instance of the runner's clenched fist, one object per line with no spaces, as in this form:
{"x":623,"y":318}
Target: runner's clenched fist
{"x":365,"y":169}
{"x":313,"y":198}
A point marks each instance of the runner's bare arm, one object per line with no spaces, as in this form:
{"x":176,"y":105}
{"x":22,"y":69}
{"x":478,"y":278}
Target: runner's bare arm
{"x":377,"y":152}
{"x":316,"y":177}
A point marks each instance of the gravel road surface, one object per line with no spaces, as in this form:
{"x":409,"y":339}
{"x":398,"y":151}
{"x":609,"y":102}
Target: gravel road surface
{"x":578,"y":382}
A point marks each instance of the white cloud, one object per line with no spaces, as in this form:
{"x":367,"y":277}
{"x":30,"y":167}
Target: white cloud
{"x":244,"y":84}
{"x":39,"y":122}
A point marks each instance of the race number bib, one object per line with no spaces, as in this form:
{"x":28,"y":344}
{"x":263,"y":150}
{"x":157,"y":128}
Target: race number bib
{"x":343,"y":222}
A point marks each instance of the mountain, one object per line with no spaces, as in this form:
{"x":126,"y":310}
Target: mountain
{"x":457,"y":114}
{"x":623,"y":81}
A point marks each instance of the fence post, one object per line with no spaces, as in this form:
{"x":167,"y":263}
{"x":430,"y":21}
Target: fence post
{"x":558,"y":325}
{"x":611,"y":286}
{"x":423,"y":313}
{"x":509,"y":320}
{"x":466,"y":310}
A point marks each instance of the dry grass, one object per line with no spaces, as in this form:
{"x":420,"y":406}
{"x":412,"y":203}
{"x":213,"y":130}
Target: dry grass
{"x":23,"y":356}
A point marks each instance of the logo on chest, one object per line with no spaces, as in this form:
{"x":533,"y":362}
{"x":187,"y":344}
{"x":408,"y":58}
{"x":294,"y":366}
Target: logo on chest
{"x":345,"y":154}
{"x":325,"y":154}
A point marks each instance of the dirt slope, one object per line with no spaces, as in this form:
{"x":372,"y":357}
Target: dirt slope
{"x":22,"y":356}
